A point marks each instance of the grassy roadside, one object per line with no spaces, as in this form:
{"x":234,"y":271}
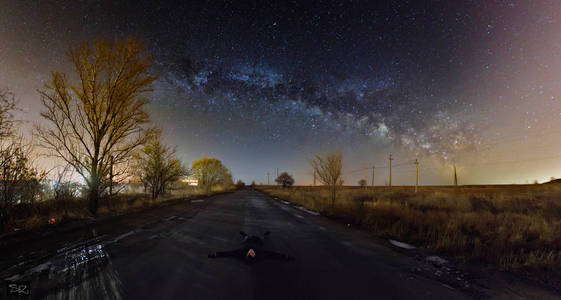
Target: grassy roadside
{"x":38,"y":216}
{"x":516,"y":228}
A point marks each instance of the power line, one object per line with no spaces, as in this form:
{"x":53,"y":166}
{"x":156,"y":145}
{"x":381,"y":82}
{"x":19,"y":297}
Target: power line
{"x":393,"y":166}
{"x":437,"y":170}
{"x":463,"y":165}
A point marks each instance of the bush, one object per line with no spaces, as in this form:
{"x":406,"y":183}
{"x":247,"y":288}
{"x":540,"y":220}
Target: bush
{"x":285,"y":180}
{"x":34,"y":223}
{"x":240,"y":184}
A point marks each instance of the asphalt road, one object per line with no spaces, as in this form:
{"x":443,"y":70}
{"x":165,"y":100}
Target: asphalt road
{"x":167,"y":259}
{"x":172,"y":263}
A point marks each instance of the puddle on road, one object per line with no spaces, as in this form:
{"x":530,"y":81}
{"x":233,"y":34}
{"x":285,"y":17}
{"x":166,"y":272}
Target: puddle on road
{"x":77,"y":259}
{"x":74,"y":273}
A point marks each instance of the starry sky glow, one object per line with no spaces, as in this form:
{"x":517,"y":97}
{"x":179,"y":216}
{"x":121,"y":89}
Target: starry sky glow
{"x":265,"y":84}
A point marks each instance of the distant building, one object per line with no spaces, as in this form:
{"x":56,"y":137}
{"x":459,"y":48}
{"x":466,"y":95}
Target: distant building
{"x":190,"y":181}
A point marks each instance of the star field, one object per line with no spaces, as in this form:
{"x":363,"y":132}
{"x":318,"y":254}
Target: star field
{"x":263,"y":85}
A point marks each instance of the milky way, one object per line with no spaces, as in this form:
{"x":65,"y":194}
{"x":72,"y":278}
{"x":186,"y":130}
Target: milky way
{"x":263,"y":85}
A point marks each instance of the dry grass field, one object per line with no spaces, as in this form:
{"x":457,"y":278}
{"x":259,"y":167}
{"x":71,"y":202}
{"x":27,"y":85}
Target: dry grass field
{"x":515,"y":227}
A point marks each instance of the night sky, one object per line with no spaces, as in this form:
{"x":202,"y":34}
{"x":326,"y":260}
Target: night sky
{"x":266,"y":84}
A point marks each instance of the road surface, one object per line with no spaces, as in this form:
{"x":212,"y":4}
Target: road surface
{"x":167,"y":259}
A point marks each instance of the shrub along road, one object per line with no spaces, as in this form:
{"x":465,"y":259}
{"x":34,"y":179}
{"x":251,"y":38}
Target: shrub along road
{"x":166,"y":258}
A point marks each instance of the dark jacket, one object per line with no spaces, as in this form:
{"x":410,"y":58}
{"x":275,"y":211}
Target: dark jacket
{"x":254,"y":243}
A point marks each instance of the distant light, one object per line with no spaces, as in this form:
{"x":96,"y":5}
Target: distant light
{"x":190,"y":181}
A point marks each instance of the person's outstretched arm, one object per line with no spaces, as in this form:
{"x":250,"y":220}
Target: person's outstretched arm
{"x":274,"y":255}
{"x":233,"y":253}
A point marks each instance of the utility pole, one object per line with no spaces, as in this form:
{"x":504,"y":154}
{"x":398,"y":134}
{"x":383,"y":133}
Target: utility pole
{"x":111,"y":176}
{"x":455,"y":176}
{"x":390,"y":170}
{"x":268,"y":181}
{"x":372,"y":175}
{"x":277,"y":172}
{"x":416,"y":174}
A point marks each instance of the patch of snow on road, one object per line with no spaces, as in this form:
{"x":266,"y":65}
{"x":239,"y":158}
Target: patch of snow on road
{"x":124,"y":235}
{"x":169,"y":218}
{"x":285,"y":202}
{"x":14,"y":277}
{"x":436,"y":260}
{"x":402,"y":245}
{"x":299,"y":216}
{"x":173,"y":218}
{"x":41,"y":267}
{"x":311,"y":212}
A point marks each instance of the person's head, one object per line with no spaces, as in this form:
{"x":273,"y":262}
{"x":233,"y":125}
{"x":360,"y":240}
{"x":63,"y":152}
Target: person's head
{"x":251,"y":255}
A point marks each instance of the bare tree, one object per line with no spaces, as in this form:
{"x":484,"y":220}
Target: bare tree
{"x":8,"y":106}
{"x":100,"y":117}
{"x":19,"y":180}
{"x":328,"y":169}
{"x":157,"y":167}
{"x":63,"y":188}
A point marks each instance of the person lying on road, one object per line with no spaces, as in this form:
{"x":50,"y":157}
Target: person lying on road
{"x":252,"y":250}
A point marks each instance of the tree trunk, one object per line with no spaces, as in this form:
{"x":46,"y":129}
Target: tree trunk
{"x":333,"y":191}
{"x":5,"y":208}
{"x":93,"y":194}
{"x":4,"y":218}
{"x":93,"y":199}
{"x":160,"y":187}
